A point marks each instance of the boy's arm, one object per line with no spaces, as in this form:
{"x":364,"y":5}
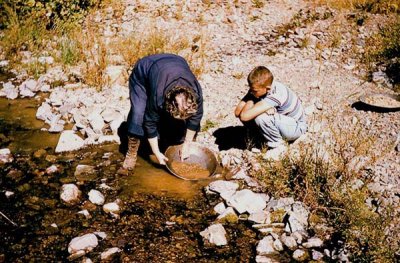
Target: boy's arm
{"x":239,"y":108}
{"x":251,"y":110}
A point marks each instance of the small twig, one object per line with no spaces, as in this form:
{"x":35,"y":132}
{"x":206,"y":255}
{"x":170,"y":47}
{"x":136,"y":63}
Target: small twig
{"x":8,"y":219}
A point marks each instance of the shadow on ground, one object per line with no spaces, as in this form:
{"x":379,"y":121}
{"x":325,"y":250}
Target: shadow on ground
{"x":236,"y":137}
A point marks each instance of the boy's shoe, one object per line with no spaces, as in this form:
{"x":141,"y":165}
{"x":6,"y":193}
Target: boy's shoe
{"x":276,"y":154}
{"x":131,"y":155}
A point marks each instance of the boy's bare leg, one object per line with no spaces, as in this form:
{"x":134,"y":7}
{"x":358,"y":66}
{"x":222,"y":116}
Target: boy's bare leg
{"x":131,"y":155}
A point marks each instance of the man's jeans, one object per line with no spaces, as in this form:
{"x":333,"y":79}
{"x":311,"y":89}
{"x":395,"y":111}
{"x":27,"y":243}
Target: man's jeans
{"x":278,"y":128}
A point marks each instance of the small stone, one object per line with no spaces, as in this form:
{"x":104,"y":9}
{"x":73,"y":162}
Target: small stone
{"x":96,"y":197}
{"x":316,"y":255}
{"x":289,"y":241}
{"x":112,"y":208}
{"x":215,"y":234}
{"x":266,"y":246}
{"x":313,"y":242}
{"x":70,"y":194}
{"x":300,"y":255}
{"x":5,"y":156}
{"x":219,"y":208}
{"x":109,"y":253}
{"x":86,"y":243}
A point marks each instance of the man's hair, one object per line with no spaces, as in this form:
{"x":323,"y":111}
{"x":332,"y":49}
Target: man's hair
{"x":172,"y":106}
{"x":260,"y":76}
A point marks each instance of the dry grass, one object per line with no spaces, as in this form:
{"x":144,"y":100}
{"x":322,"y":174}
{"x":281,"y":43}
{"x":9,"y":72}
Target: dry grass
{"x":374,"y":6}
{"x":324,"y":179}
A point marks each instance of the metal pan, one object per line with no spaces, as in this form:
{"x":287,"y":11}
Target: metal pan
{"x":200,"y":156}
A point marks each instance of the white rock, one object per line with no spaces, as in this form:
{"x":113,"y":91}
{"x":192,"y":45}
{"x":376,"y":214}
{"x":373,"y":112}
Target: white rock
{"x":70,"y":193}
{"x":85,"y":212}
{"x":266,"y":246}
{"x":109,"y":253}
{"x":69,"y":141}
{"x":221,"y":186}
{"x":112,"y":208}
{"x":261,"y":217}
{"x":229,"y":212}
{"x":46,"y":60}
{"x":29,"y":84}
{"x":300,"y":255}
{"x":9,"y":91}
{"x":289,"y":241}
{"x":44,"y":112}
{"x":96,"y":197}
{"x":278,"y":246}
{"x":51,"y":169}
{"x":9,"y":193}
{"x":96,"y":122}
{"x":86,"y":243}
{"x":265,"y":259}
{"x":215,"y":234}
{"x":219,"y":208}
{"x":115,"y":74}
{"x":316,"y":255}
{"x":108,"y":138}
{"x":100,"y":234}
{"x":313,"y":242}
{"x":247,"y":201}
{"x":5,"y":156}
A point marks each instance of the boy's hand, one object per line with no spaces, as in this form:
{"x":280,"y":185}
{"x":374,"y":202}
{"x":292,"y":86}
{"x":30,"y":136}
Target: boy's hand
{"x":271,"y":111}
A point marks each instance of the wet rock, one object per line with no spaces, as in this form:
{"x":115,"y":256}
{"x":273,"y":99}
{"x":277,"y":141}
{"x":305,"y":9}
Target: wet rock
{"x":5,"y":156}
{"x":52,"y":169}
{"x":86,"y":260}
{"x":70,"y":194}
{"x":300,"y":255}
{"x":215,"y":234}
{"x":96,"y":197}
{"x":100,"y":234}
{"x":39,"y":153}
{"x":266,"y":246}
{"x":69,"y":141}
{"x":85,"y":172}
{"x":84,"y":243}
{"x":109,"y":253}
{"x":247,"y":201}
{"x":86,"y":213}
{"x":8,"y":194}
{"x":112,"y":208}
{"x":44,"y":112}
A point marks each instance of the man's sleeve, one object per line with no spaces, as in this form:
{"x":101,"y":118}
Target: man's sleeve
{"x":151,"y":118}
{"x":138,"y":99}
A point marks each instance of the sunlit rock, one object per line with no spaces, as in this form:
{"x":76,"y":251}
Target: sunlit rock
{"x":300,"y":255}
{"x":85,"y":243}
{"x":266,"y":246}
{"x":221,"y":186}
{"x":219,"y":208}
{"x":289,"y":241}
{"x":313,"y":242}
{"x":247,"y":201}
{"x":109,"y":253}
{"x":228,"y":216}
{"x":69,"y":141}
{"x":70,"y":193}
{"x":96,"y":197}
{"x":215,"y":234}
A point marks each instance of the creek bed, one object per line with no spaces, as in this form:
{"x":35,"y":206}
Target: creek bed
{"x":161,"y":216}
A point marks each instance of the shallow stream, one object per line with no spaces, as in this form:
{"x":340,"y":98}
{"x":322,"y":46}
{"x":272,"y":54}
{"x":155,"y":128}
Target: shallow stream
{"x":161,"y":215}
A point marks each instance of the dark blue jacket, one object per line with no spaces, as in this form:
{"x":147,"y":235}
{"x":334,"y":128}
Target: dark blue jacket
{"x":151,"y":78}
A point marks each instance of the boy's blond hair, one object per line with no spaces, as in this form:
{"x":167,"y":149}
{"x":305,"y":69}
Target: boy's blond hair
{"x":260,"y":76}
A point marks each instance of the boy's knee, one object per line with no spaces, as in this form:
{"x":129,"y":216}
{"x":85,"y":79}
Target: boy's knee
{"x":264,"y":119}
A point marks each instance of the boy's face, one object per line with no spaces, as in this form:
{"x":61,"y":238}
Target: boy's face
{"x":259,"y":90}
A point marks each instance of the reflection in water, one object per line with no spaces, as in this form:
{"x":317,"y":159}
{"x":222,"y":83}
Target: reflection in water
{"x":25,"y":134}
{"x":148,"y":178}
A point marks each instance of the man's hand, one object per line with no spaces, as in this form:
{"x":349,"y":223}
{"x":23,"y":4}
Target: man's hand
{"x":161,"y":158}
{"x":185,"y":151}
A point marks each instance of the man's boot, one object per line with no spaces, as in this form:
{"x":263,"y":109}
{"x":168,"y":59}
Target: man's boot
{"x":131,"y":155}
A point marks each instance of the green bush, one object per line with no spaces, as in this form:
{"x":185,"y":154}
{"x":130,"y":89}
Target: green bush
{"x":48,"y":11}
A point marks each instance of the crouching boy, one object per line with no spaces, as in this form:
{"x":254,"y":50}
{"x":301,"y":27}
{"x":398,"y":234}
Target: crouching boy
{"x":275,"y":109}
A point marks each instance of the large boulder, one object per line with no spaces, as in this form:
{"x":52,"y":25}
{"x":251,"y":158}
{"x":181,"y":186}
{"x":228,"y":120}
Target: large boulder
{"x":69,"y":141}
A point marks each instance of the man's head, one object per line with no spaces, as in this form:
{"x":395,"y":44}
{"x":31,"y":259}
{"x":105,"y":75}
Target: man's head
{"x":180,"y":102}
{"x":260,"y":81}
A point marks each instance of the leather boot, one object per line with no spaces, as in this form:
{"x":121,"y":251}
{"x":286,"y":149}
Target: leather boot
{"x":131,"y":155}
